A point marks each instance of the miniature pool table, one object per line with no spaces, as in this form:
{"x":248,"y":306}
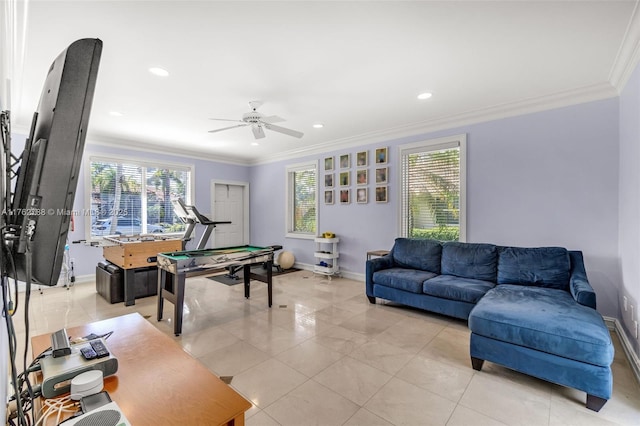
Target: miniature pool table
{"x":175,"y":267}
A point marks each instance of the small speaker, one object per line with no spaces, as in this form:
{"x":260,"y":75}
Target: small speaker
{"x":107,"y":415}
{"x":100,"y":418}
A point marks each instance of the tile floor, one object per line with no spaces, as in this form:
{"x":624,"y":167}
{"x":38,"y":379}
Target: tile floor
{"x":322,"y":355}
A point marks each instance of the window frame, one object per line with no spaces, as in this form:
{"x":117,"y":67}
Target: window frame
{"x":90,"y":158}
{"x":459,"y":141}
{"x":289,"y":217}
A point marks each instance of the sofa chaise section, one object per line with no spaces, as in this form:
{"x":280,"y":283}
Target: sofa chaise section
{"x":543,"y":323}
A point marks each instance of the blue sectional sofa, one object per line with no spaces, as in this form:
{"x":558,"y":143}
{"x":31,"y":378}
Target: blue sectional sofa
{"x":528,"y":309}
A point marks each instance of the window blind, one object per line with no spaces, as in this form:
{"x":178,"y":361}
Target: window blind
{"x":431,"y":187}
{"x":135,"y":197}
{"x":304,"y":201}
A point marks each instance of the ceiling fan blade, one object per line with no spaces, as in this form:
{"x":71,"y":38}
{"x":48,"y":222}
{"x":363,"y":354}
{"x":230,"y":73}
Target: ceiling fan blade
{"x":258,"y":132}
{"x":227,"y":128}
{"x":284,"y":130}
{"x":226,"y":119}
{"x":273,"y":119}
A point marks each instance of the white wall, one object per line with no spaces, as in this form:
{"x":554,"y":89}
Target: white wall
{"x":629,"y":210}
{"x":5,"y":30}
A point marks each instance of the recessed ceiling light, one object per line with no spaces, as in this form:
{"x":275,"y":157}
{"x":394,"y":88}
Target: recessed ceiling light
{"x":255,"y":144}
{"x":425,"y":95}
{"x":159,"y":71}
{"x":318,"y":126}
{"x":115,"y":114}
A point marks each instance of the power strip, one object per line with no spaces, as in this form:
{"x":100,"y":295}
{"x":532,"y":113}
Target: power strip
{"x":58,"y":372}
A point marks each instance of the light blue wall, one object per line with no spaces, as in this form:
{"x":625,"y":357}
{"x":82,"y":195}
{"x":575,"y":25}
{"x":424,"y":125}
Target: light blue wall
{"x":548,"y":178}
{"x":629,"y":209}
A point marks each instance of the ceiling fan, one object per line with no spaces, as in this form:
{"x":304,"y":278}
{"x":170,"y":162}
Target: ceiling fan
{"x":258,"y":123}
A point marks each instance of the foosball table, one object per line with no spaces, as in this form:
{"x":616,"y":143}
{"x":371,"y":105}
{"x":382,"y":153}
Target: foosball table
{"x":137,"y":251}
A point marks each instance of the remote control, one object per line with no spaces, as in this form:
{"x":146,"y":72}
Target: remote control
{"x":100,"y":348}
{"x":88,"y":353}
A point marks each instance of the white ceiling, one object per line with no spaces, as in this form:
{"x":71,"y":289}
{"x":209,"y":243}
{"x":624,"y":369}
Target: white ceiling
{"x":356,"y":67}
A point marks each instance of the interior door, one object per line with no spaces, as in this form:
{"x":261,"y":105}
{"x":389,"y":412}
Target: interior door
{"x":230,"y":202}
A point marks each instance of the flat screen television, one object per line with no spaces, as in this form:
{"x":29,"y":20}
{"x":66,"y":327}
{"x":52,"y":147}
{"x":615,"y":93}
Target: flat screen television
{"x":46,"y":184}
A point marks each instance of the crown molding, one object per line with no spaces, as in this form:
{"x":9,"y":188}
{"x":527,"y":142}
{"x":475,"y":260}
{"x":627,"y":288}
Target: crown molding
{"x":629,"y":53}
{"x":159,"y":149}
{"x":537,"y":104}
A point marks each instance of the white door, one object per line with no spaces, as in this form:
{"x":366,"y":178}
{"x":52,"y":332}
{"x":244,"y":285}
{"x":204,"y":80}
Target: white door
{"x":230,"y":201}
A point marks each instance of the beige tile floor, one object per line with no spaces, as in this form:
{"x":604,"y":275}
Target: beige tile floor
{"x":322,"y":355}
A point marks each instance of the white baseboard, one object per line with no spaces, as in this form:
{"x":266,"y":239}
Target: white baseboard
{"x":81,"y":279}
{"x":344,"y":274}
{"x":634,"y":360}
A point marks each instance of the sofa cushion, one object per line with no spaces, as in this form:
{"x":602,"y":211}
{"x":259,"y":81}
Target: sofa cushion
{"x":457,"y":288}
{"x":540,"y":266}
{"x":403,"y":279}
{"x":417,"y":254}
{"x":544,"y":319}
{"x":470,"y":260}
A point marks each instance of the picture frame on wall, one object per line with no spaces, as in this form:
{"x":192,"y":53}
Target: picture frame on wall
{"x":345,"y":161}
{"x":382,"y":156}
{"x":362,"y":159}
{"x":382,"y":175}
{"x":328,"y":196}
{"x":362,"y":177}
{"x":345,"y":196}
{"x":361,"y":195}
{"x":328,"y":180}
{"x":381,"y":194}
{"x":345,"y":178}
{"x":328,"y":163}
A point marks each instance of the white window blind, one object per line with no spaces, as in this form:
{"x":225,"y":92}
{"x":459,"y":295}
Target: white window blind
{"x":302,"y":208}
{"x":432,"y":180}
{"x":131,"y":197}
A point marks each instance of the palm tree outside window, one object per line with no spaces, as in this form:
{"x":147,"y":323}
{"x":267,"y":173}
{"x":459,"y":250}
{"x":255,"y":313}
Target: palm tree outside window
{"x":129,"y":197}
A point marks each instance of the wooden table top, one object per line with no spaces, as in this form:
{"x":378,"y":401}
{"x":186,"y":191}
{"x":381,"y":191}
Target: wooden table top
{"x":157,"y":381}
{"x":132,"y":255}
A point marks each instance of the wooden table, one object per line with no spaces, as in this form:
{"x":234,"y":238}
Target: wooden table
{"x":377,"y":253}
{"x":157,"y":382}
{"x":132,"y":252}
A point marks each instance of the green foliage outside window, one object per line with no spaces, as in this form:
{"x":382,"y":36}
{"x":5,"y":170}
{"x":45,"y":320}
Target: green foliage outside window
{"x":433,"y":194}
{"x":127,"y":189}
{"x":304,"y":203}
{"x":440,"y":233}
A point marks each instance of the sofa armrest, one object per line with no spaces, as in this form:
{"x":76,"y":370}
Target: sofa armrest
{"x":374,"y":265}
{"x":579,"y":285}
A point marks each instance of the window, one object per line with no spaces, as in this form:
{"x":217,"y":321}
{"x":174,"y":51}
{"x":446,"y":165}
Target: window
{"x":302,"y":204}
{"x":133,"y":197}
{"x":433,"y":189}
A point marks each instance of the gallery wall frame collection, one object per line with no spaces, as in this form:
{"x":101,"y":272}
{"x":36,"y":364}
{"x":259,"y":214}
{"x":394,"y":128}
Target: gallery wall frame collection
{"x":380,"y":175}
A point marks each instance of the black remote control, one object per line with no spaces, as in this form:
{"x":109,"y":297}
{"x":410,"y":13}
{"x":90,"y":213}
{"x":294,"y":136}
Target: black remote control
{"x":100,"y":348}
{"x":88,"y":353}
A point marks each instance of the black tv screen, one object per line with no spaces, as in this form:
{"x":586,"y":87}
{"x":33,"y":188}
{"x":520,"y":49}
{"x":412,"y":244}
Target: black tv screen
{"x":46,"y":184}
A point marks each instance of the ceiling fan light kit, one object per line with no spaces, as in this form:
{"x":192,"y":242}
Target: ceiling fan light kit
{"x":258,"y":123}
